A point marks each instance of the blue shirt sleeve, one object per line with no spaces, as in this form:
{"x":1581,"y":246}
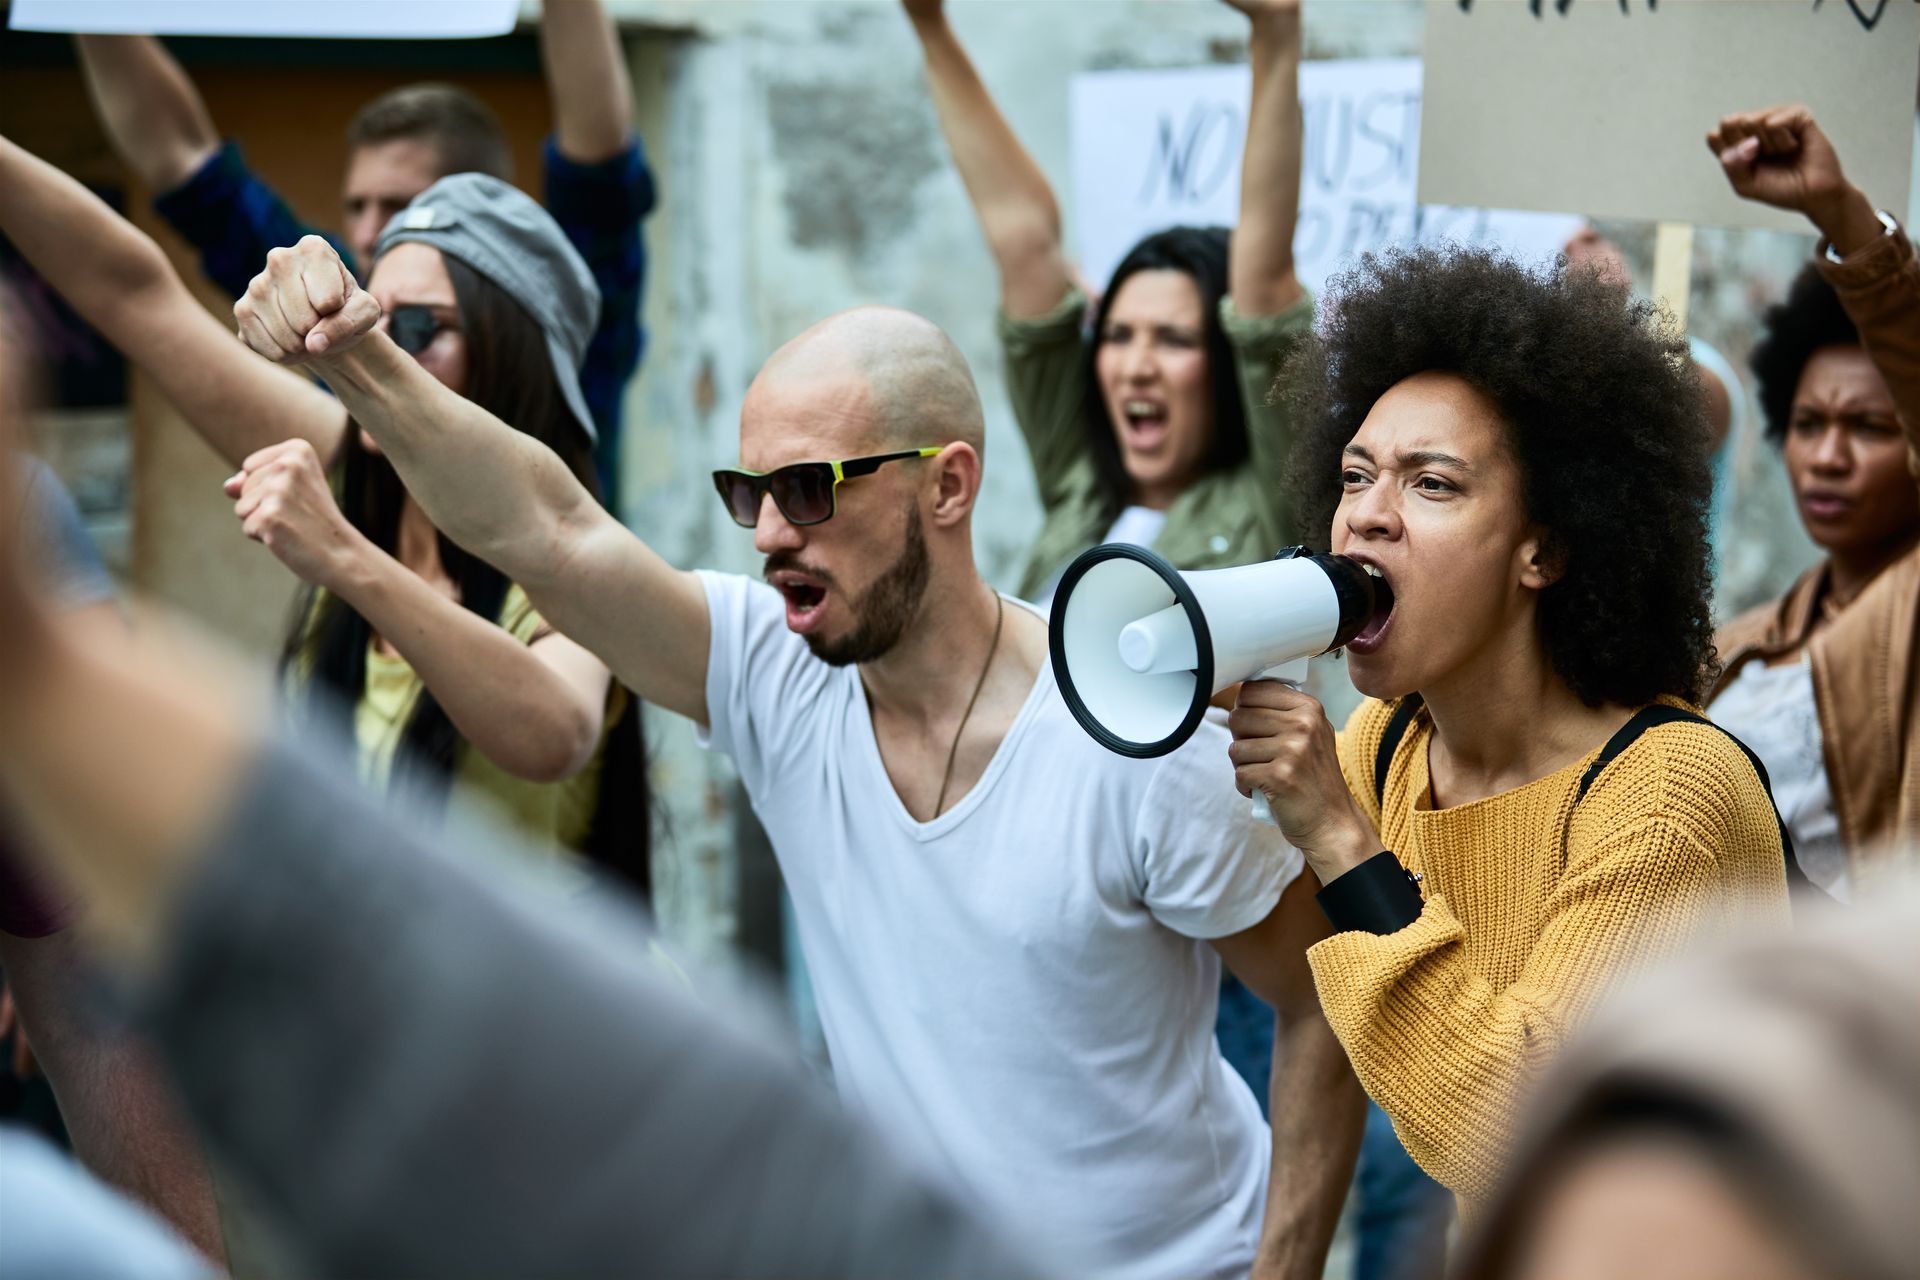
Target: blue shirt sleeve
{"x":58,"y":544}
{"x":233,"y":218}
{"x":600,"y":207}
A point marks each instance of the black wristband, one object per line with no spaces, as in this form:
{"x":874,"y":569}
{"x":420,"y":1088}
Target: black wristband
{"x":1378,"y":896}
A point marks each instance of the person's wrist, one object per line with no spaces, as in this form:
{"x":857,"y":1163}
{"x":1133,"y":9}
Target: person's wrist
{"x":927,"y":24}
{"x":358,"y":361}
{"x":1846,"y":218}
{"x":354,"y":566}
{"x":1276,"y":31}
{"x":1337,"y":851}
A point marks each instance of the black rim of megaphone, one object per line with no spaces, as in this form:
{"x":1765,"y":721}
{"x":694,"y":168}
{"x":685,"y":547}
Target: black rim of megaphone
{"x":1202,"y":639}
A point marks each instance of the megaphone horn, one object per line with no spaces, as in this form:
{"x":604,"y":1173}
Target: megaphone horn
{"x":1140,"y":648}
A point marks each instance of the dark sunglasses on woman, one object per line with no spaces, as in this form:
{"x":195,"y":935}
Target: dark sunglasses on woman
{"x":414,"y":326}
{"x":803,"y":491}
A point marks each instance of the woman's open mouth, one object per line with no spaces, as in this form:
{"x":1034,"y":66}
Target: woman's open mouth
{"x":1145,"y":424}
{"x":1370,"y":637}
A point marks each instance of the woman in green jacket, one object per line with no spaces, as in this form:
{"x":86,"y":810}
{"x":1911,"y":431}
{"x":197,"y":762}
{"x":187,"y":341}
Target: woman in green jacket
{"x":1151,"y":425}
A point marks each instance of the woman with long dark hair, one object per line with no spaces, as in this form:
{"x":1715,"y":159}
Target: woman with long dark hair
{"x":446,"y":677}
{"x":1146,"y":414}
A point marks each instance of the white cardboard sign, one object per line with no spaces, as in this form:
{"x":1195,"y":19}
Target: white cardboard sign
{"x":305,"y":19}
{"x":1604,"y":105}
{"x":1154,"y":149}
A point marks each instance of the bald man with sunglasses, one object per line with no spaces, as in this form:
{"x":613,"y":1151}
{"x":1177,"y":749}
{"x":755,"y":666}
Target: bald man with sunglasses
{"x":1014,"y":935}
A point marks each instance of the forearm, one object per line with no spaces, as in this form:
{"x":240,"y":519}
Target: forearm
{"x":121,"y":283}
{"x":1261,"y":273}
{"x":121,"y":1116}
{"x":117,"y":756}
{"x":1317,"y":1112}
{"x":1011,"y":196}
{"x":494,"y":490}
{"x":1879,"y":285}
{"x":151,"y":112}
{"x":587,"y":79}
{"x":1848,"y":221}
{"x":507,"y":701}
{"x":107,"y":269}
{"x":1447,"y":1052}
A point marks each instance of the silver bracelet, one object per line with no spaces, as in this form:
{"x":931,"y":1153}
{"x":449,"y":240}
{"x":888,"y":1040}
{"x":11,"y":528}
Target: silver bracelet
{"x":1886,"y":220}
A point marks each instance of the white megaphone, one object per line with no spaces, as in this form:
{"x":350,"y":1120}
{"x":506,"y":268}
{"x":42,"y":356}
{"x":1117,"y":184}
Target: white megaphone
{"x":1139,"y":648}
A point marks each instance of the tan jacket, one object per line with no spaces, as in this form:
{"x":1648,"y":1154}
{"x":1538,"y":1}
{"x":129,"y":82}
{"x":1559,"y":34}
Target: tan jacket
{"x":1866,"y":659}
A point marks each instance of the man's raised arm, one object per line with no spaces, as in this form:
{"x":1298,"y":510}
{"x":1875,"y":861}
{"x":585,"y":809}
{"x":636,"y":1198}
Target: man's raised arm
{"x":496,"y":491}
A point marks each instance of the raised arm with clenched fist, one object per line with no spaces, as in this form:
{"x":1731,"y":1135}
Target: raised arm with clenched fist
{"x":305,"y":303}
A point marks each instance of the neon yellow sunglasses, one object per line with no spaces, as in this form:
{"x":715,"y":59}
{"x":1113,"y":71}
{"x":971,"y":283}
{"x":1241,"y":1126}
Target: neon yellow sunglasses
{"x":803,"y":491}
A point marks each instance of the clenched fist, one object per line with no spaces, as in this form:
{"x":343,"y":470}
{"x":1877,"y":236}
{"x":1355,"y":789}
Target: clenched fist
{"x":1284,"y":748}
{"x":1781,"y":156}
{"x":305,"y":304}
{"x":284,"y":504}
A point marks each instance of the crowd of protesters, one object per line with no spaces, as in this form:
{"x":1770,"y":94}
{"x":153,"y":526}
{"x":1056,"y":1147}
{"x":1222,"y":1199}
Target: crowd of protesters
{"x":1584,"y":939}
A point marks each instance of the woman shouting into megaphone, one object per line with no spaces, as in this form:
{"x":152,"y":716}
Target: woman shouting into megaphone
{"x":1528,"y":805}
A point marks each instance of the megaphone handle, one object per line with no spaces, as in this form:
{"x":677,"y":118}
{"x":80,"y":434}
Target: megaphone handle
{"x":1288,"y":673}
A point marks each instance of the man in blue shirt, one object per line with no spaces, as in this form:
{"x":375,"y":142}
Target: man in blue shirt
{"x":598,"y":186}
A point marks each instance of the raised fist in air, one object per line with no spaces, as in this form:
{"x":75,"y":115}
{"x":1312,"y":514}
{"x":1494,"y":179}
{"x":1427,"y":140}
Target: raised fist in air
{"x":304,"y":304}
{"x":1780,"y":157}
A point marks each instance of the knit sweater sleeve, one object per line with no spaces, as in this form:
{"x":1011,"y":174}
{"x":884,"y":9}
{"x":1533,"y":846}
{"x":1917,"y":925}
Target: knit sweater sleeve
{"x":1656,"y":849}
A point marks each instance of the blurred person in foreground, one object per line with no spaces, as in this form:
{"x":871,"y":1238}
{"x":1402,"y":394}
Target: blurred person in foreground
{"x":596,"y":181}
{"x":433,"y":665}
{"x":1752,"y":1115}
{"x":120,"y":1117}
{"x":1824,"y":683}
{"x":1528,"y":806}
{"x":1015,"y":935}
{"x":415,"y":1068}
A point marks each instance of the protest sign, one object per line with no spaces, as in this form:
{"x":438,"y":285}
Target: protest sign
{"x":335,"y":19}
{"x":1154,"y":149}
{"x":1604,"y":105}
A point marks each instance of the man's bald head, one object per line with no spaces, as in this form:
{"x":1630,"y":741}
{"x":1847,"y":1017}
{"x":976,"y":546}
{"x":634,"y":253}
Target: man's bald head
{"x":896,"y":370}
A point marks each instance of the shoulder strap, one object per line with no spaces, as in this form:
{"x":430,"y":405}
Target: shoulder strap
{"x":1650,"y":717}
{"x":1396,"y":729}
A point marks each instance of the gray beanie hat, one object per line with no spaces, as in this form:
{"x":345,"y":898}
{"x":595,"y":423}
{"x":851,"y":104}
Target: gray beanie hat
{"x":499,"y":231}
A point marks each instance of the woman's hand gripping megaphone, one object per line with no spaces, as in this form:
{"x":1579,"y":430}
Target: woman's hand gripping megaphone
{"x":1283,"y":753}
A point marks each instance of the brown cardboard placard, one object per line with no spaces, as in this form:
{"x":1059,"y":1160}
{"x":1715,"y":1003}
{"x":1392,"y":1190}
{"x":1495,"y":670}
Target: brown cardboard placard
{"x":1603,"y":106}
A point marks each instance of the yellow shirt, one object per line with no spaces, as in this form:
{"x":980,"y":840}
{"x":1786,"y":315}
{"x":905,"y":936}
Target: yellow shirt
{"x":555,"y":816}
{"x":1534,"y":906}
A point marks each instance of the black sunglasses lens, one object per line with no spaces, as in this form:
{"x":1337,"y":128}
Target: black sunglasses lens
{"x":804,"y":491}
{"x":741,"y":495}
{"x":412,"y":328}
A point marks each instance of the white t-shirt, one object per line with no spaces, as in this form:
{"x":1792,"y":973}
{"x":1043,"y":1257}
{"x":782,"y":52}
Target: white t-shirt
{"x":1017,"y":991}
{"x":1135,"y":525}
{"x":1771,"y":709}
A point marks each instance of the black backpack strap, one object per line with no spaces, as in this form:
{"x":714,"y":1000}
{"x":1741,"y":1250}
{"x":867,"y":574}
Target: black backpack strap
{"x":1651,"y":717}
{"x":1397,"y":726}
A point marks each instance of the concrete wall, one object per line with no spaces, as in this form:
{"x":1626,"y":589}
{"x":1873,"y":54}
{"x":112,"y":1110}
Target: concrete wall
{"x":803,"y":172}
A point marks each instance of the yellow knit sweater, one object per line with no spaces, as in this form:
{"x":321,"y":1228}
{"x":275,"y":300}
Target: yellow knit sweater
{"x":1533,"y":906}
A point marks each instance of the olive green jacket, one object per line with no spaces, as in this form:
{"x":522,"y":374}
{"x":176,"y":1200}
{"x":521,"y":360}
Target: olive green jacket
{"x":1223,"y":518}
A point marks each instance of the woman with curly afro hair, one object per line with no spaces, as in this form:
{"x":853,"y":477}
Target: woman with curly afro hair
{"x":1520,"y":458}
{"x":1822,"y":682}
